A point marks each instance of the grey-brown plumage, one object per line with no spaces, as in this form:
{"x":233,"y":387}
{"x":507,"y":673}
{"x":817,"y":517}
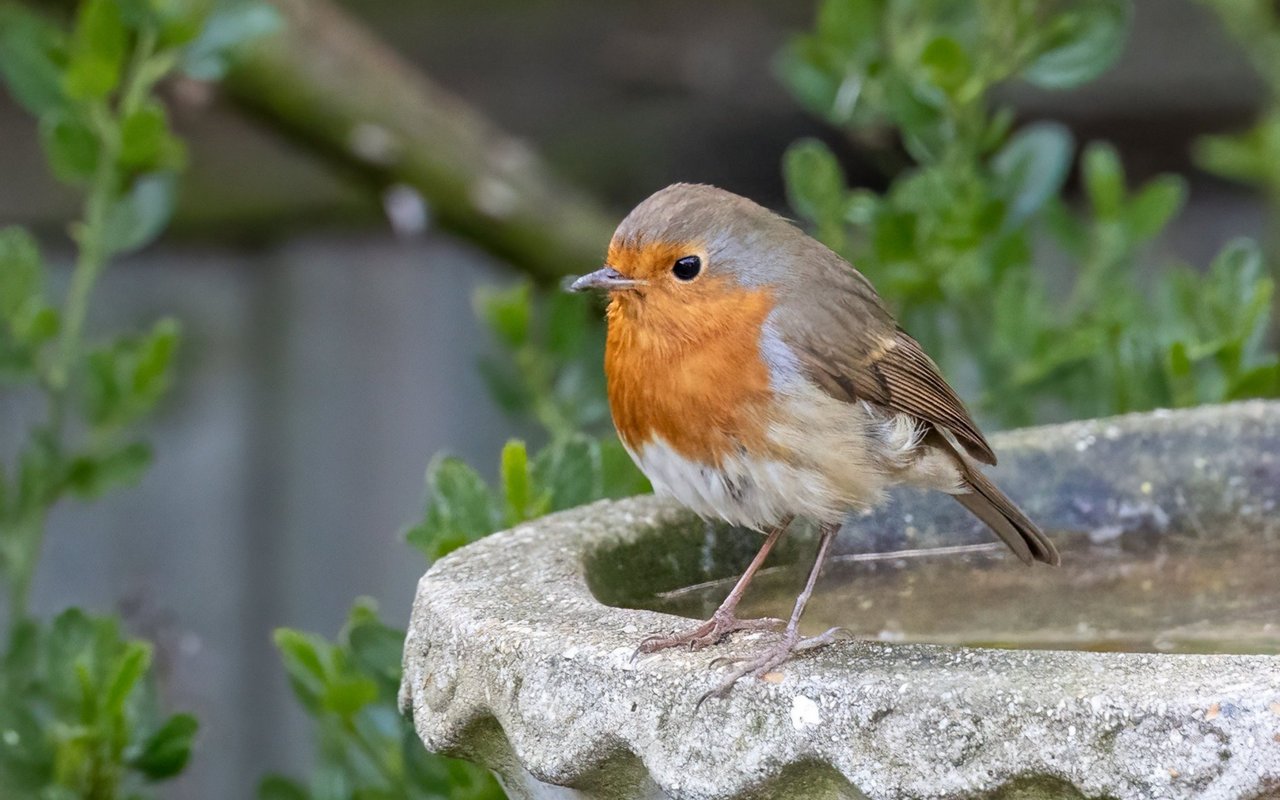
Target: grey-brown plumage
{"x":847,"y":342}
{"x":853,"y":348}
{"x":986,"y":502}
{"x":756,"y":376}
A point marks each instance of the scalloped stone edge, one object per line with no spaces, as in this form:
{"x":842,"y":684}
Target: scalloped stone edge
{"x":511,"y":662}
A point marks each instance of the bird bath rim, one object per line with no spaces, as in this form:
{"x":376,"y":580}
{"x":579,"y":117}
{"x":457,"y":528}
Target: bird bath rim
{"x":513,"y":662}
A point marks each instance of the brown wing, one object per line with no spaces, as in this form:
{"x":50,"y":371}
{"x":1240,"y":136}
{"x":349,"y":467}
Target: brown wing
{"x":851,"y":346}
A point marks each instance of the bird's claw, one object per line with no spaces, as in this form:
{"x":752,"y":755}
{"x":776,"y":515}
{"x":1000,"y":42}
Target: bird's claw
{"x":720,"y":661}
{"x":766,"y":661}
{"x":708,"y":633}
{"x":829,"y":636}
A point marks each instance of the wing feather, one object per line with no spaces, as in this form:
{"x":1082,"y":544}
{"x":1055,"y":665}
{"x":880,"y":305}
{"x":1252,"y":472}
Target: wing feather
{"x":851,"y":346}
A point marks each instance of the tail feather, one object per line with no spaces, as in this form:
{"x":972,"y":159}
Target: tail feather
{"x":1002,"y":515}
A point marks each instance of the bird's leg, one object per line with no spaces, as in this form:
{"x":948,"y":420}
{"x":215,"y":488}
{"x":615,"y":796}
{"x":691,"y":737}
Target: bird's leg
{"x":791,"y":642}
{"x":723,"y":622}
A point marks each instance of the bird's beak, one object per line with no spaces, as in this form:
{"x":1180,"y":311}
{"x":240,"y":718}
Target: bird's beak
{"x":606,"y":278}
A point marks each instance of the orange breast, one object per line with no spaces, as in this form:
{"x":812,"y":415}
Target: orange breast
{"x":688,"y":369}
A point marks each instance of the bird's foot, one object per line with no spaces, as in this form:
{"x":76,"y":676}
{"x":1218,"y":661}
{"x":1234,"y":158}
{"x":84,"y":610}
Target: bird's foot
{"x":714,"y":630}
{"x":773,"y":656}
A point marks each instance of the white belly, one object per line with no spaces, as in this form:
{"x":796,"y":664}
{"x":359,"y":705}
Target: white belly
{"x":755,"y":493}
{"x":839,"y":457}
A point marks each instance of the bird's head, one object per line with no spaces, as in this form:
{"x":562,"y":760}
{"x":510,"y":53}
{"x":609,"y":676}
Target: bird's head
{"x":691,"y":243}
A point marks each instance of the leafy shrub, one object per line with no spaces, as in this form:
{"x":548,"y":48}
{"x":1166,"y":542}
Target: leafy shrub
{"x":1251,"y":156}
{"x":954,"y":242}
{"x":81,"y":717}
{"x":367,"y":750}
{"x":547,"y":367}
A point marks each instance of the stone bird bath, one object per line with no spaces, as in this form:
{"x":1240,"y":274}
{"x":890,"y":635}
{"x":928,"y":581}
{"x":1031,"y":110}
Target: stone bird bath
{"x":1147,"y":666}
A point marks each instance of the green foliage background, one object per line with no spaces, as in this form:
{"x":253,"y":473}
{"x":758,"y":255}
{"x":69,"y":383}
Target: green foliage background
{"x":955,"y":241}
{"x":77,"y":699}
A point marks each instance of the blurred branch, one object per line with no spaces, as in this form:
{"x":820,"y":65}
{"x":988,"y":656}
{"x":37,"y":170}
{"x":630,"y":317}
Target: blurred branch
{"x":330,"y":82}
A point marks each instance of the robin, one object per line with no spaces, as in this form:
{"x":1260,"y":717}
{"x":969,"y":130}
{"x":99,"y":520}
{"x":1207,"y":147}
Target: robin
{"x":755,"y":376}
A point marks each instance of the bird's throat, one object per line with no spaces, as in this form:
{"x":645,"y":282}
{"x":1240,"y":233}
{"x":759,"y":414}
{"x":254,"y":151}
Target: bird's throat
{"x":689,"y":370}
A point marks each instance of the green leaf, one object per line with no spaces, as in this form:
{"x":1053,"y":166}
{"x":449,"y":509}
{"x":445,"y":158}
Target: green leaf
{"x":20,"y":660}
{"x":177,"y":22}
{"x":1155,"y":205}
{"x":145,"y":140}
{"x":810,"y":82}
{"x":70,"y":643}
{"x":17,"y":366}
{"x":570,"y":329}
{"x":506,"y":388}
{"x":1082,"y":43}
{"x":167,"y":751}
{"x":35,"y":324}
{"x":568,"y":472}
{"x":153,"y":369}
{"x":27,"y":755}
{"x":893,"y":235}
{"x":29,"y":322}
{"x":460,"y":509}
{"x":1237,"y":270}
{"x":1252,"y":157}
{"x":620,"y":477}
{"x":124,"y":380}
{"x":364,"y":611}
{"x":1104,"y":179}
{"x":137,"y":218}
{"x":71,"y":146}
{"x":946,"y":63}
{"x":507,"y":312}
{"x":816,"y":188}
{"x":129,"y":668}
{"x":516,"y":483}
{"x":29,"y":48}
{"x":141,"y":14}
{"x":103,"y":397}
{"x":1179,"y":367}
{"x":1066,"y":227}
{"x":40,"y":472}
{"x":97,"y":51}
{"x":849,"y":25}
{"x":997,"y":129}
{"x":278,"y":787}
{"x":91,"y":476}
{"x":300,"y":653}
{"x":21,"y":279}
{"x":231,"y":25}
{"x":922,"y":115}
{"x":579,"y":389}
{"x":1031,"y":168}
{"x":1260,"y":381}
{"x":376,"y":649}
{"x":829,"y":70}
{"x":345,"y":696}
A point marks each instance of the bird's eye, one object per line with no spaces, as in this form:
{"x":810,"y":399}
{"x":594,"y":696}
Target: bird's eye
{"x":687,"y":268}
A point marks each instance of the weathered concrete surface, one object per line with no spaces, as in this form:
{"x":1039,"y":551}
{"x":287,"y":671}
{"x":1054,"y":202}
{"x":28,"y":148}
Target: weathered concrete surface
{"x":512,"y":661}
